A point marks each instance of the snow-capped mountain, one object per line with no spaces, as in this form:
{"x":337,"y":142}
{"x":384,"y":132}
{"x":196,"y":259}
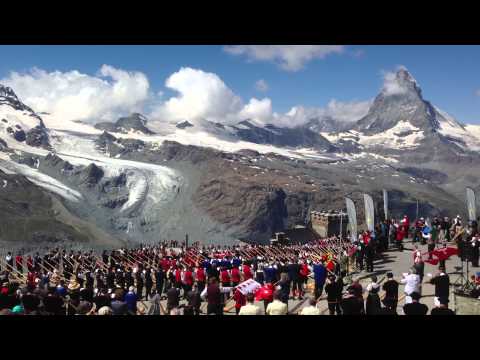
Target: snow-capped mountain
{"x":401,"y":119}
{"x":20,"y":123}
{"x":128,"y":181}
{"x":135,"y":122}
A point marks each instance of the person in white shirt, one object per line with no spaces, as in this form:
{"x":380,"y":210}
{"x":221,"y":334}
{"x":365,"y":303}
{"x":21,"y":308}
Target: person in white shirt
{"x":412,"y":284}
{"x":311,"y":309}
{"x":277,"y":307}
{"x":250,"y":308}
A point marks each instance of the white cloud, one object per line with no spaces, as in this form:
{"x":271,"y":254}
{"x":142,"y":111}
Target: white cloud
{"x":257,"y":110}
{"x":392,"y":85}
{"x":477,"y":93}
{"x":338,"y":110}
{"x":75,"y":96}
{"x":203,"y":95}
{"x":347,"y":111}
{"x":112,"y":93}
{"x":288,"y":57}
{"x":200,"y":95}
{"x":261,"y":85}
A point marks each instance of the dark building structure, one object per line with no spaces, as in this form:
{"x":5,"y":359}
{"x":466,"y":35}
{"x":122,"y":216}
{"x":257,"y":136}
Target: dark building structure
{"x":328,"y":223}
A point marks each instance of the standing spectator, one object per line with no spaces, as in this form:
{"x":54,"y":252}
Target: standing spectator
{"x":412,"y":284}
{"x":320,"y":275}
{"x":173,"y":298}
{"x":391,"y":293}
{"x":294,"y":276}
{"x":334,"y":289}
{"x":442,"y":287}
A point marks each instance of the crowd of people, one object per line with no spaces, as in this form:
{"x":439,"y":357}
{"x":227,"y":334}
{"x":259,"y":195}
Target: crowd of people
{"x":187,"y":277}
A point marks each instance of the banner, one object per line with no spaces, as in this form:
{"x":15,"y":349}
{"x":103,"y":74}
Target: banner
{"x":472,"y":209}
{"x":385,"y":203}
{"x":369,"y":212}
{"x":352,"y":218}
{"x":249,"y":286}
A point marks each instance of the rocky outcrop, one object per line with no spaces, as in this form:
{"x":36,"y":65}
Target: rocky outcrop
{"x":134,"y":122}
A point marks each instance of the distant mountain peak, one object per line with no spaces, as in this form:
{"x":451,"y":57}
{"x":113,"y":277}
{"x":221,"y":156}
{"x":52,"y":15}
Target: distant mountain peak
{"x":8,"y":97}
{"x":402,"y":84}
{"x":135,"y":122}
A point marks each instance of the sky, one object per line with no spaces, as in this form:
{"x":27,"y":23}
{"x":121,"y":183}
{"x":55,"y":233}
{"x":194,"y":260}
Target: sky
{"x":282,"y":83}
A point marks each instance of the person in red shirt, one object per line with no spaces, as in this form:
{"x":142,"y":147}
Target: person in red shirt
{"x":178,"y":277}
{"x":247,"y":272}
{"x":366,"y":237}
{"x":235,"y":276}
{"x":240,"y":300}
{"x":225,"y":277}
{"x":30,"y":263}
{"x":303,"y":277}
{"x":165,"y":264}
{"x":400,"y":237}
{"x":187,"y":281}
{"x":19,"y":263}
{"x":31,"y":276}
{"x":201,"y":278}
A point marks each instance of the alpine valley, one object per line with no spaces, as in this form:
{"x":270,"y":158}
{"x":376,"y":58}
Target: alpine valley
{"x":67,"y":182}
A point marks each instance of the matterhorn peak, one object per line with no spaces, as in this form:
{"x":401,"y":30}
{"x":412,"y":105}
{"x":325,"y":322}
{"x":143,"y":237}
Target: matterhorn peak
{"x":400,"y":83}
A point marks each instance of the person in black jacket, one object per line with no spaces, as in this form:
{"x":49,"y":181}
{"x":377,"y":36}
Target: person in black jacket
{"x":391,"y":293}
{"x":173,"y":298}
{"x":140,"y":282}
{"x":373,"y":304}
{"x":111,"y":279}
{"x":415,"y":307}
{"x":194,"y":300}
{"x":148,"y":283}
{"x":474,"y":250}
{"x":369,"y":255}
{"x":359,"y":254}
{"x":129,"y":281}
{"x":293,"y":269}
{"x":120,"y":279}
{"x":351,"y":304}
{"x":334,"y":289}
{"x":159,"y":280}
{"x":442,"y":286}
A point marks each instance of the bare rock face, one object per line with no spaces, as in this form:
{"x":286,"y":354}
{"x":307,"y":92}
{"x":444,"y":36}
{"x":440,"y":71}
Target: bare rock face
{"x":134,"y":122}
{"x":38,"y":137}
{"x":91,"y":175}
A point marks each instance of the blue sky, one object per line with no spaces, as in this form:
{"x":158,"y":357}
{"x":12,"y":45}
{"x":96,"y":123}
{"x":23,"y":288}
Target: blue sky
{"x":449,"y":75}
